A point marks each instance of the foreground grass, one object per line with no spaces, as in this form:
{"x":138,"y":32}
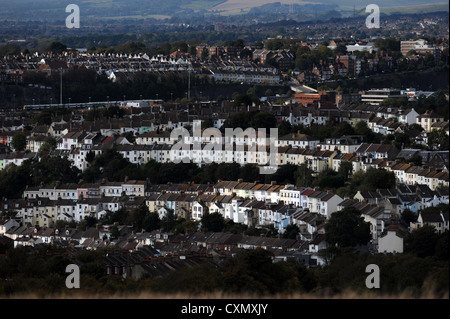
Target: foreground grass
{"x":426,"y":294}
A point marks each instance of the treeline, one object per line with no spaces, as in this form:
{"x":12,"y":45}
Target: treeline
{"x":112,"y":166}
{"x":161,"y":42}
{"x":141,"y":219}
{"x":81,"y":84}
{"x":40,"y":272}
{"x":32,"y":172}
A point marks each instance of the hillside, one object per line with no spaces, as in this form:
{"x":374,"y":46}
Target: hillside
{"x":54,"y":10}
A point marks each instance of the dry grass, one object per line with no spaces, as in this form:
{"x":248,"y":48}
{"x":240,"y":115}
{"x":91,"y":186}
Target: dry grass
{"x":425,"y":294}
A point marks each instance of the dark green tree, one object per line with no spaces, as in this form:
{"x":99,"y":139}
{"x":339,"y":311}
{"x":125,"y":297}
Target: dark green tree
{"x":438,"y":140}
{"x":346,"y":228}
{"x":442,"y":246}
{"x":408,"y":216}
{"x":151,"y":222}
{"x":341,"y":49}
{"x":168,"y":222}
{"x":284,"y":128}
{"x":345,"y":169}
{"x":263,"y":120}
{"x":422,"y":241}
{"x":291,"y":231}
{"x":56,"y":47}
{"x":212,"y":222}
{"x":19,"y":141}
{"x":303,"y":175}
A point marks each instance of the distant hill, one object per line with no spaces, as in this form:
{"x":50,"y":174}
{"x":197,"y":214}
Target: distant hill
{"x":237,"y":6}
{"x":53,"y":10}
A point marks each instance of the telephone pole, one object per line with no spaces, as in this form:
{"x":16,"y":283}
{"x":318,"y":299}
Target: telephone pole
{"x":60,"y":87}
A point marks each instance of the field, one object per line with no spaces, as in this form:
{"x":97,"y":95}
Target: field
{"x":416,"y":9}
{"x":240,"y":6}
{"x":229,"y":7}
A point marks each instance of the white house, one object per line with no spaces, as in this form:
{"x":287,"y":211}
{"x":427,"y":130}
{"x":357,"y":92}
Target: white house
{"x":409,"y":117}
{"x":391,"y":241}
{"x":6,"y":225}
{"x":298,"y":140}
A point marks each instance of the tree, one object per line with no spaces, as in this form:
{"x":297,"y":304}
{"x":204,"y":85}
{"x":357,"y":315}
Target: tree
{"x":56,"y":47}
{"x":168,"y":222}
{"x":284,"y":128}
{"x":90,"y":156}
{"x":249,"y":172}
{"x":346,"y":228}
{"x":19,"y":141}
{"x":205,"y":54}
{"x":442,"y":246}
{"x":416,"y":160}
{"x":361,"y":128}
{"x":43,"y":118}
{"x":303,"y":175}
{"x":342,"y":129}
{"x":341,"y":49}
{"x":137,"y":216}
{"x":438,"y":140}
{"x":372,"y":179}
{"x":241,"y":99}
{"x":285,"y":174}
{"x":48,"y":145}
{"x":253,"y":271}
{"x":291,"y":231}
{"x":228,"y":171}
{"x":54,"y":169}
{"x":345,"y":169}
{"x":422,"y":242}
{"x":151,"y":222}
{"x":264,"y":120}
{"x":187,"y":226}
{"x":114,"y":232}
{"x":408,"y":216}
{"x":9,"y":49}
{"x":212,"y":222}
